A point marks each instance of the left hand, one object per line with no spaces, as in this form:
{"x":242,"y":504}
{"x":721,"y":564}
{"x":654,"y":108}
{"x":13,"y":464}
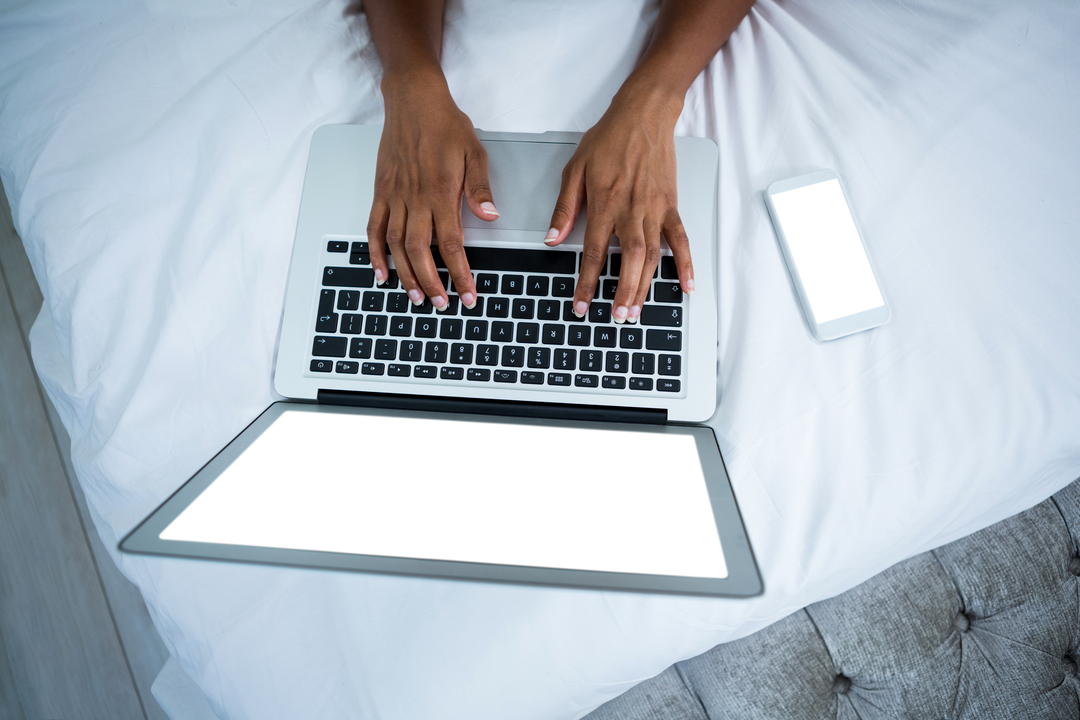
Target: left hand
{"x":624,"y":169}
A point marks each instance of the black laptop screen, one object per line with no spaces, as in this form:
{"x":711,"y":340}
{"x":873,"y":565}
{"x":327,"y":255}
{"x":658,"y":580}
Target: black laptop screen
{"x":465,"y":490}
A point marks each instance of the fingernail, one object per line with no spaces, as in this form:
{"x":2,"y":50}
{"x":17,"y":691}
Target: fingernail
{"x":552,"y":234}
{"x":380,"y":276}
{"x":688,"y":286}
{"x":632,"y":316}
{"x":468,"y":300}
{"x":489,"y":208}
{"x":580,"y":307}
{"x":619,"y":313}
{"x":416,"y":296}
{"x":439,"y":302}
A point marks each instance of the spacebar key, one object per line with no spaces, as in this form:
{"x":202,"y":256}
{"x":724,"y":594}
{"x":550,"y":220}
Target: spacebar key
{"x":536,"y":261}
{"x":660,"y":315}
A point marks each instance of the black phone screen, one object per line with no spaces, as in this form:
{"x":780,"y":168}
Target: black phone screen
{"x":827,"y":252}
{"x":490,"y":492}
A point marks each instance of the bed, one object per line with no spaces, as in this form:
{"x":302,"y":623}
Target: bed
{"x":153,"y":156}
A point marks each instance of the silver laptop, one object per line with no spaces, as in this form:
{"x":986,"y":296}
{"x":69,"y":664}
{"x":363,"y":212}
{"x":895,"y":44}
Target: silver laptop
{"x":573,"y":460}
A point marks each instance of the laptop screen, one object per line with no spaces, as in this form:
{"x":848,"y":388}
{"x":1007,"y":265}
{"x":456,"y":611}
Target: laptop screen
{"x":475,"y":491}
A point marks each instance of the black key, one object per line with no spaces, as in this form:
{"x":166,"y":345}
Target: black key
{"x":589,"y":381}
{"x":461,"y":353}
{"x":326,"y":323}
{"x":425,"y":371}
{"x":348,"y":300}
{"x":631,"y":337}
{"x":513,"y":284}
{"x":487,"y":283}
{"x":562,"y":287}
{"x":661,"y":315}
{"x":348,"y":277}
{"x":359,"y":259}
{"x":426,"y":327}
{"x":444,"y":278}
{"x":596,"y":292}
{"x":424,"y":308}
{"x":536,"y":285}
{"x":670,"y":364}
{"x":452,"y":373}
{"x":322,"y":365}
{"x":397,"y":303}
{"x":640,"y":383}
{"x":580,"y":335}
{"x":616,"y":264}
{"x":329,"y":346}
{"x":502,"y":332}
{"x":375,"y":325}
{"x":568,"y":312}
{"x":435,"y":352}
{"x":451,"y":329}
{"x":565,"y":359}
{"x":352,"y":324}
{"x":643,"y":364}
{"x":372,"y":368}
{"x":451,"y":306}
{"x":395,"y":370}
{"x":539,"y":357}
{"x":614,"y":383}
{"x":385,"y":349}
{"x":410,"y":350}
{"x":373,"y":301}
{"x":326,"y":301}
{"x":337,"y":246}
{"x":360,"y":348}
{"x":513,"y":356}
{"x":663,"y":340}
{"x":600,"y":312}
{"x":476,"y":330}
{"x":359,"y":247}
{"x":668,"y":385}
{"x":487,"y":355}
{"x":617,"y":362}
{"x":506,"y":376}
{"x":523,"y":308}
{"x":479,"y":374}
{"x":400,"y":326}
{"x":592,"y":360}
{"x":532,"y":378}
{"x":530,"y":261}
{"x":604,"y":336}
{"x":668,"y":270}
{"x":554,"y":334}
{"x":547,"y":310}
{"x":610,"y":286}
{"x":349,"y":368}
{"x":498,"y":307}
{"x":558,"y":379}
{"x":528,"y":333}
{"x":476,"y":310}
{"x":667,"y":292}
{"x":391,"y":281}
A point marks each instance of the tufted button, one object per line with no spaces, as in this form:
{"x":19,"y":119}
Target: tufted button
{"x":1068,"y":665}
{"x":1074,"y":565}
{"x":961,"y":622}
{"x":841,"y":684}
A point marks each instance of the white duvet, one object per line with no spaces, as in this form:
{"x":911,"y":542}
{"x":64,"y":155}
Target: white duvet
{"x":153,"y":155}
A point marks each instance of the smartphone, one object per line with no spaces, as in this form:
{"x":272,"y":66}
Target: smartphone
{"x":826,"y":255}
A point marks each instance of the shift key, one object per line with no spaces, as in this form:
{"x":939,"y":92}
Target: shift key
{"x":666,"y":316}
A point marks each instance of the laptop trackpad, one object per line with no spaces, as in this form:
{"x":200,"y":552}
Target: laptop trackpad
{"x":525,"y":180}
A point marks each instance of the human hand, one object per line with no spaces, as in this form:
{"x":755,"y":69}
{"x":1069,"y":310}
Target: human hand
{"x":624,"y":168}
{"x":428,"y":155}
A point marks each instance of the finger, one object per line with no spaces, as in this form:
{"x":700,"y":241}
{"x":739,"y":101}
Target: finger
{"x":376,"y":237}
{"x":632,"y":241}
{"x":597,"y":238}
{"x":477,"y":187}
{"x":418,"y":248}
{"x":395,"y":240}
{"x":452,"y":248}
{"x":567,"y":207}
{"x":652,"y":257}
{"x":680,"y":249}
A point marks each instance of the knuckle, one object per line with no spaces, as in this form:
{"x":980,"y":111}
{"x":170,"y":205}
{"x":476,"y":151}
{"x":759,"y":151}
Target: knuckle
{"x":594,"y":254}
{"x":415,"y":244}
{"x":394,"y":238}
{"x":479,"y":187}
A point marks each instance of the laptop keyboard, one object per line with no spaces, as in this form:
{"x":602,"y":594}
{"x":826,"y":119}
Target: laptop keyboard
{"x":522,"y":331}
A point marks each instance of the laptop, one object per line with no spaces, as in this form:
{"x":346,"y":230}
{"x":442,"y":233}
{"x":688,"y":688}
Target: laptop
{"x":510,"y":442}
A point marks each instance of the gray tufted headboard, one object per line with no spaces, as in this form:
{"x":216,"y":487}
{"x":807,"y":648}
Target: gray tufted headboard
{"x":986,"y":627}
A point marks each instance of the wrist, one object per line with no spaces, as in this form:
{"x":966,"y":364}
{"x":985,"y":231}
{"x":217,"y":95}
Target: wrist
{"x":419,"y":80}
{"x":649,"y":97}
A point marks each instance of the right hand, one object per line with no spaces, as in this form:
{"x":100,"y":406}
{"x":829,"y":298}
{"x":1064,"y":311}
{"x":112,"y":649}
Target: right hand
{"x":428,"y":155}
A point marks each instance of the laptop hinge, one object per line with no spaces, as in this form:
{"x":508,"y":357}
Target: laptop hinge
{"x":554,"y":411}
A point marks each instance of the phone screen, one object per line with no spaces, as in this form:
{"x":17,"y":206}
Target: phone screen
{"x":825,"y":247}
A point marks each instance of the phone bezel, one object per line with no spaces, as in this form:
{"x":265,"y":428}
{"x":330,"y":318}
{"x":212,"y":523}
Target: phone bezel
{"x":849,"y":324}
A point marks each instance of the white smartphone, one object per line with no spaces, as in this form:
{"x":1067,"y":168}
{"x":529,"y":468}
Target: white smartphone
{"x":826,"y":256}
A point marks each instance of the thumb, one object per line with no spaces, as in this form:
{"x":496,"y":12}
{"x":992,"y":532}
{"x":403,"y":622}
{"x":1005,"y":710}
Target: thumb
{"x":571,"y":195}
{"x":477,"y":188}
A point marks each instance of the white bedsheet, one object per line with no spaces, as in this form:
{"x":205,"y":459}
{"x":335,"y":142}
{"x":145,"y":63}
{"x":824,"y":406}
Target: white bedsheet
{"x":153,"y":155}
